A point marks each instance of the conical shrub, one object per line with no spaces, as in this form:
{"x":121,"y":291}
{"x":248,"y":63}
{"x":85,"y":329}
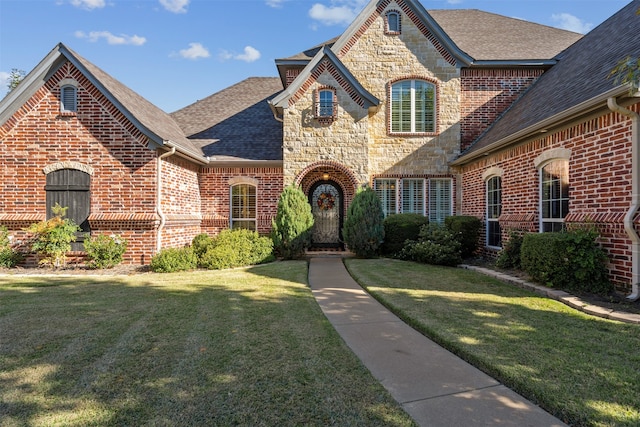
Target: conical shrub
{"x":291,"y":227}
{"x":363,"y":229}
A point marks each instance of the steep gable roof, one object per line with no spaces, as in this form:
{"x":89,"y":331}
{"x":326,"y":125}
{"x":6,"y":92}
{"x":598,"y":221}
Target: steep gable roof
{"x":578,"y":85}
{"x":154,"y":123}
{"x":236,"y":124}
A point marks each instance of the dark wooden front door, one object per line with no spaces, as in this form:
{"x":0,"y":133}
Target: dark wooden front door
{"x":326,"y":204}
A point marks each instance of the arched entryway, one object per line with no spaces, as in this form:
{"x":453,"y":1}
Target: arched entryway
{"x":326,"y":199}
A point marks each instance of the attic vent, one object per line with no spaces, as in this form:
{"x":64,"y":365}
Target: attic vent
{"x":392,"y":22}
{"x":68,"y":99}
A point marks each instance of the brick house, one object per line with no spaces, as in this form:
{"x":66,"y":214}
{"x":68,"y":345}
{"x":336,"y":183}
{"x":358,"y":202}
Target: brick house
{"x":436,"y":110}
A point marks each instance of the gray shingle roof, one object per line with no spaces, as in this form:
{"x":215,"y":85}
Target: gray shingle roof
{"x":581,"y":75}
{"x":236,"y":123}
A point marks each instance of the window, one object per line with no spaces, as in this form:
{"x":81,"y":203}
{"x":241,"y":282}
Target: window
{"x":413,"y":196}
{"x":68,"y":99}
{"x":440,"y":200}
{"x":326,"y":105}
{"x":554,"y":195}
{"x":386,"y":190}
{"x":494,"y":209}
{"x":393,"y":22}
{"x":70,"y":188}
{"x":243,"y":206}
{"x":413,"y":107}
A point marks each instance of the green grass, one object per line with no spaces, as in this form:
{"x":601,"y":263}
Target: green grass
{"x":583,"y":369}
{"x":243,"y":347}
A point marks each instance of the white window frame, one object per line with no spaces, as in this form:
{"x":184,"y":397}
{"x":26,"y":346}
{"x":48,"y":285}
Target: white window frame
{"x":413,"y":195}
{"x":387,"y":191}
{"x":552,"y":218}
{"x":241,"y":214}
{"x":440,"y":205}
{"x":493,"y":216}
{"x":397,"y":89}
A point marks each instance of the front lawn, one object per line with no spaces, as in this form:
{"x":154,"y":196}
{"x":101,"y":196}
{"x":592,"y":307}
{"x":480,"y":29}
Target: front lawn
{"x":237,"y":347}
{"x":583,"y":369}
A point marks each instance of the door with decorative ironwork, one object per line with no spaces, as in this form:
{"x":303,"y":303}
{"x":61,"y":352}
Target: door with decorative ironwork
{"x":326,"y":205}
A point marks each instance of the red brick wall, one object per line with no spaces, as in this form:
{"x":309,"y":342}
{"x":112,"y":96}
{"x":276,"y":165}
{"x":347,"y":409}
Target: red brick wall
{"x":123,"y":182}
{"x":215,"y":194}
{"x":599,"y":180}
{"x":486,"y":94}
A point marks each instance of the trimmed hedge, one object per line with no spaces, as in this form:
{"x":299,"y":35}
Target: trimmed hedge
{"x":436,"y":245}
{"x":466,"y":230}
{"x":399,"y":228}
{"x":236,"y":248}
{"x":170,"y":260}
{"x":509,"y":256}
{"x":570,"y":260}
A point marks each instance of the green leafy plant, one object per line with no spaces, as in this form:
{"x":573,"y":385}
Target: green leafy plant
{"x":509,"y":256}
{"x":436,"y":245}
{"x":104,"y":251}
{"x":53,"y":237}
{"x":237,"y":248}
{"x":466,"y":230}
{"x":363,"y":229}
{"x":8,"y":256}
{"x":399,"y":228}
{"x":170,"y":260}
{"x":291,"y":227}
{"x":201,"y":243}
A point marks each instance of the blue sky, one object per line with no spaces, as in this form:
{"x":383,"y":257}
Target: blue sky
{"x":174,"y":52}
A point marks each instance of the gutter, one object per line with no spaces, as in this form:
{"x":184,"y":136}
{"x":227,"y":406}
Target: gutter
{"x":635,"y":195}
{"x":163,"y":217}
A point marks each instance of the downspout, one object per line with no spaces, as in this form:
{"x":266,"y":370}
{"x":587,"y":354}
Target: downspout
{"x":635,"y":195}
{"x":163,"y":217}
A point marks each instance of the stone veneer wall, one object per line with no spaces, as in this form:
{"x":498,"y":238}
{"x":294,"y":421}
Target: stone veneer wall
{"x":599,"y":180}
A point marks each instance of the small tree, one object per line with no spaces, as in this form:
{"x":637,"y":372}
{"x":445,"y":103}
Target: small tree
{"x":15,"y":77}
{"x":363,"y":229}
{"x":291,"y":228}
{"x":53,"y":237}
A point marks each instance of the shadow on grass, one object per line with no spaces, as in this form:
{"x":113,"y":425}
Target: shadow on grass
{"x":235,"y":347}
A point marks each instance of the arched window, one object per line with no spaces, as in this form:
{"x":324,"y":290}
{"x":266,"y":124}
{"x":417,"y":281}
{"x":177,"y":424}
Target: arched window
{"x":326,"y":105}
{"x":393,"y":22}
{"x":70,"y":188}
{"x":68,"y":99}
{"x":494,"y":209}
{"x":413,"y":107}
{"x":243,"y":206}
{"x":554,"y":195}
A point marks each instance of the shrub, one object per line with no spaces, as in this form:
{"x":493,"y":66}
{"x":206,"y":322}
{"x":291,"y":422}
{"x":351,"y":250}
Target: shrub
{"x":466,"y":229}
{"x":53,"y":237}
{"x":570,"y":260}
{"x":8,"y":256}
{"x":509,"y":256}
{"x":399,"y":228}
{"x":237,"y":248}
{"x":436,"y":245}
{"x":363,"y":229}
{"x":201,"y":243}
{"x":174,"y":259}
{"x":105,"y":251}
{"x":291,"y":227}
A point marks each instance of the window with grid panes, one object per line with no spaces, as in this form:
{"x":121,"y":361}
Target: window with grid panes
{"x":413,"y":196}
{"x":326,"y":102}
{"x":440,"y":200}
{"x":494,"y":209}
{"x":413,"y":105}
{"x":554,"y":195}
{"x":243,"y":206}
{"x":386,"y":189}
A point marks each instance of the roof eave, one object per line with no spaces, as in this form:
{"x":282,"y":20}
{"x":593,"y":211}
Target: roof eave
{"x":222,"y":163}
{"x":579,"y":110}
{"x":510,"y":63}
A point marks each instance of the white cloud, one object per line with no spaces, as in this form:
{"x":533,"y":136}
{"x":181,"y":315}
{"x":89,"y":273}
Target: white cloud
{"x":89,"y":4}
{"x":569,"y":22}
{"x":250,"y":54}
{"x":4,"y":81}
{"x":195,"y":51}
{"x":94,"y":36}
{"x":275,"y":3}
{"x":340,"y":12}
{"x":175,"y":6}
{"x":454,"y":1}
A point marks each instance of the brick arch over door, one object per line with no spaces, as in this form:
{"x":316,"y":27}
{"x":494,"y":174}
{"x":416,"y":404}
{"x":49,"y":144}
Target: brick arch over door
{"x":337,"y":173}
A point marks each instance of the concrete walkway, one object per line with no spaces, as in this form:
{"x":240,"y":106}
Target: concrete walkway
{"x":435,"y":387}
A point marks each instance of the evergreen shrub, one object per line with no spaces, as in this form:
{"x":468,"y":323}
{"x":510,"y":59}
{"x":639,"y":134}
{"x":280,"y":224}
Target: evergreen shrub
{"x":8,"y":256}
{"x":571,"y":261}
{"x":363,"y":229}
{"x":237,"y":248}
{"x":104,"y":251}
{"x":436,"y":245}
{"x":201,"y":243}
{"x":170,"y":260}
{"x":509,"y":256}
{"x":466,"y":230}
{"x":399,"y":228}
{"x":291,"y":227}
